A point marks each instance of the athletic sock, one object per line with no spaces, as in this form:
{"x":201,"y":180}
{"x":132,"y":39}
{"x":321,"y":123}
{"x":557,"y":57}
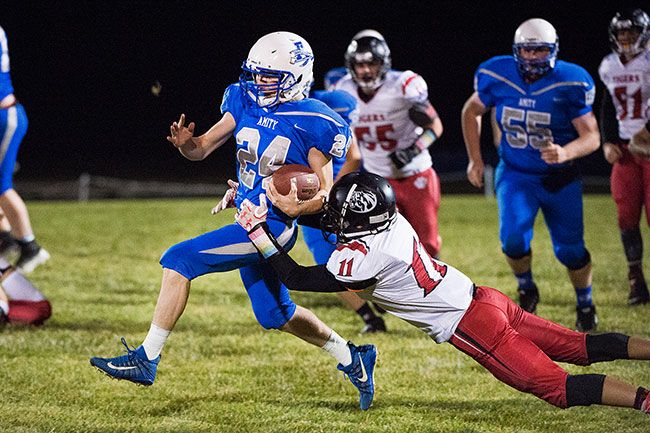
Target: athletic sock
{"x":20,"y":288}
{"x":154,"y":341}
{"x":632,"y":245}
{"x":366,"y":313}
{"x":338,"y":348}
{"x":583,"y":297}
{"x":525,"y":280}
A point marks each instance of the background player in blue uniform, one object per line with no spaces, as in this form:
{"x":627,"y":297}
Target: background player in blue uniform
{"x":273,"y":124}
{"x":345,"y":105}
{"x":15,"y":229}
{"x":543,"y":110}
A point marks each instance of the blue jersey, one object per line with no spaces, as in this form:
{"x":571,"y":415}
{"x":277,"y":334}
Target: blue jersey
{"x":270,"y":138}
{"x":5,"y":80}
{"x":345,"y":105}
{"x":530,"y":114}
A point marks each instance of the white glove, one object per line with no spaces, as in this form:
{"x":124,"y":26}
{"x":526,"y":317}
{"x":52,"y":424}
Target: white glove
{"x":250,"y":215}
{"x":228,"y":199}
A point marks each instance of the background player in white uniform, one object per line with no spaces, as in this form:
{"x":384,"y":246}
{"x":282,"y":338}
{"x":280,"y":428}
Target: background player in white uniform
{"x":380,"y":257}
{"x":395,"y":125}
{"x":15,"y":227}
{"x":626,"y":75}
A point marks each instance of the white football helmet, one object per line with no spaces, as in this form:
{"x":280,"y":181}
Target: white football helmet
{"x":531,"y":34}
{"x":285,"y":57}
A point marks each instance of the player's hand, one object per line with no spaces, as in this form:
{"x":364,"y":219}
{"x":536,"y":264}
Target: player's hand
{"x":180,"y":134}
{"x":289,"y":204}
{"x":612,"y":152}
{"x":250,"y":215}
{"x":228,"y":199}
{"x":640,"y":143}
{"x":475,"y":173}
{"x":401,"y":157}
{"x":554,"y":153}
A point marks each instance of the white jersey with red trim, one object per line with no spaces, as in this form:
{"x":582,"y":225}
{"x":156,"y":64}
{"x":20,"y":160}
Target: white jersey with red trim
{"x":383,"y":124}
{"x":629,"y":86}
{"x":410,"y":284}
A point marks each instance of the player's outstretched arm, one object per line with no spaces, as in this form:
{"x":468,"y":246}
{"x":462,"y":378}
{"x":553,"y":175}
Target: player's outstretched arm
{"x":296,"y":277}
{"x":472,"y":113}
{"x":197,"y":148}
{"x":352,"y":159}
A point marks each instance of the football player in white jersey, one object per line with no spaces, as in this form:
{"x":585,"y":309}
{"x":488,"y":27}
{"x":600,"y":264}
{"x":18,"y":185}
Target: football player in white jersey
{"x":395,"y":126}
{"x":380,"y":257}
{"x":626,"y":75}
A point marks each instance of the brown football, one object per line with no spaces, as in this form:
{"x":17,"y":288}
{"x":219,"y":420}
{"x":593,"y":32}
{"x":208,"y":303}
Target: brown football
{"x":306,"y":180}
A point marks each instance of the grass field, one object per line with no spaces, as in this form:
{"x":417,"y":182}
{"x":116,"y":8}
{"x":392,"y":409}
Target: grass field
{"x":222,"y":373}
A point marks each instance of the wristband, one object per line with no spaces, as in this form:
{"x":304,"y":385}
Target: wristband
{"x":263,"y":241}
{"x":426,"y":139}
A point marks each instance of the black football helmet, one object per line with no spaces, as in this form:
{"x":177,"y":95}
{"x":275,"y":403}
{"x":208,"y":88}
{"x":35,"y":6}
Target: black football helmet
{"x":632,"y":19}
{"x":358,"y":204}
{"x":368,"y":46}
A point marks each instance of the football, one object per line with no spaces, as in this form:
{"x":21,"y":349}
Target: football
{"x":306,"y":180}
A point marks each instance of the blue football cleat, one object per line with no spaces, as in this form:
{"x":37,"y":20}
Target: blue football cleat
{"x":134,"y":366}
{"x":360,"y":372}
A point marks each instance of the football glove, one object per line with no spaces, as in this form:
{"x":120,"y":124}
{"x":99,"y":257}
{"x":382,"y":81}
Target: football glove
{"x":401,"y":157}
{"x":228,"y":199}
{"x":250,"y":215}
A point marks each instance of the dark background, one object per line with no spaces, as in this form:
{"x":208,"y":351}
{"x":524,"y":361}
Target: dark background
{"x":84,"y":70}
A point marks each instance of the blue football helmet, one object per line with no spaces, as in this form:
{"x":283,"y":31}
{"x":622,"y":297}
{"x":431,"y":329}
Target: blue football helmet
{"x":534,"y":34}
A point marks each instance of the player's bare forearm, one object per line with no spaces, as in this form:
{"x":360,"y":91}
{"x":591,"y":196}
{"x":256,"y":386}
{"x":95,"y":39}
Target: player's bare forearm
{"x":588,"y":140}
{"x":472,"y":113}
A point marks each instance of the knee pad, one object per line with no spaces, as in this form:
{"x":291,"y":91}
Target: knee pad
{"x":584,"y":389}
{"x":573,"y":256}
{"x":274,"y":318}
{"x":517,"y":256}
{"x":607,"y":347}
{"x":175,"y":258}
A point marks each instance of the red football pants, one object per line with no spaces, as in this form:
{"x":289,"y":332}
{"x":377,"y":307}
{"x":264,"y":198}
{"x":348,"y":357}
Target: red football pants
{"x":517,"y":347}
{"x":418,"y":199}
{"x":630,"y":184}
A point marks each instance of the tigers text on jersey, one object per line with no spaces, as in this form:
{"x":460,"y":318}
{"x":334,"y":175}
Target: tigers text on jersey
{"x":531,"y":114}
{"x":345,"y":106}
{"x":383,"y":124}
{"x":410,"y":284}
{"x":270,"y":138}
{"x":629,"y":86}
{"x":5,"y":80}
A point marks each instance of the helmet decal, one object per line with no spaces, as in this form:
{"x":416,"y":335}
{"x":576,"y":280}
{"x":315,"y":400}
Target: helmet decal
{"x":362,"y":201}
{"x":300,"y":55}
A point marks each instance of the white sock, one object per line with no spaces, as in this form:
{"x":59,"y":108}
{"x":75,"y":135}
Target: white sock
{"x":338,"y":348}
{"x":19,"y":288}
{"x":4,"y":306}
{"x":28,"y":238}
{"x":154,"y":341}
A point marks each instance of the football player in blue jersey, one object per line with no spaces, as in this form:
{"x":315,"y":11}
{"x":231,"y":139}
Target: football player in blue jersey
{"x":544,"y":113}
{"x":273,"y":124}
{"x":15,"y":226}
{"x":345,"y":105}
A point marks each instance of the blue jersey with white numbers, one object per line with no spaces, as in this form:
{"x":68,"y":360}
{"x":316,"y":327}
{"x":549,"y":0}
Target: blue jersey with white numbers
{"x":269,"y":138}
{"x":530,"y":114}
{"x":5,"y":80}
{"x":343,"y":104}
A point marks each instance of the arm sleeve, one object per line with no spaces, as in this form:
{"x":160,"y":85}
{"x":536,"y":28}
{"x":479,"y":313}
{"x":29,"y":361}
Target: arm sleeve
{"x":608,"y":122}
{"x":294,"y":276}
{"x":230,"y":100}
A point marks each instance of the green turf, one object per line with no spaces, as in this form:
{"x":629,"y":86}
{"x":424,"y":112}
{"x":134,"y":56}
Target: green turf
{"x":222,"y":373}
